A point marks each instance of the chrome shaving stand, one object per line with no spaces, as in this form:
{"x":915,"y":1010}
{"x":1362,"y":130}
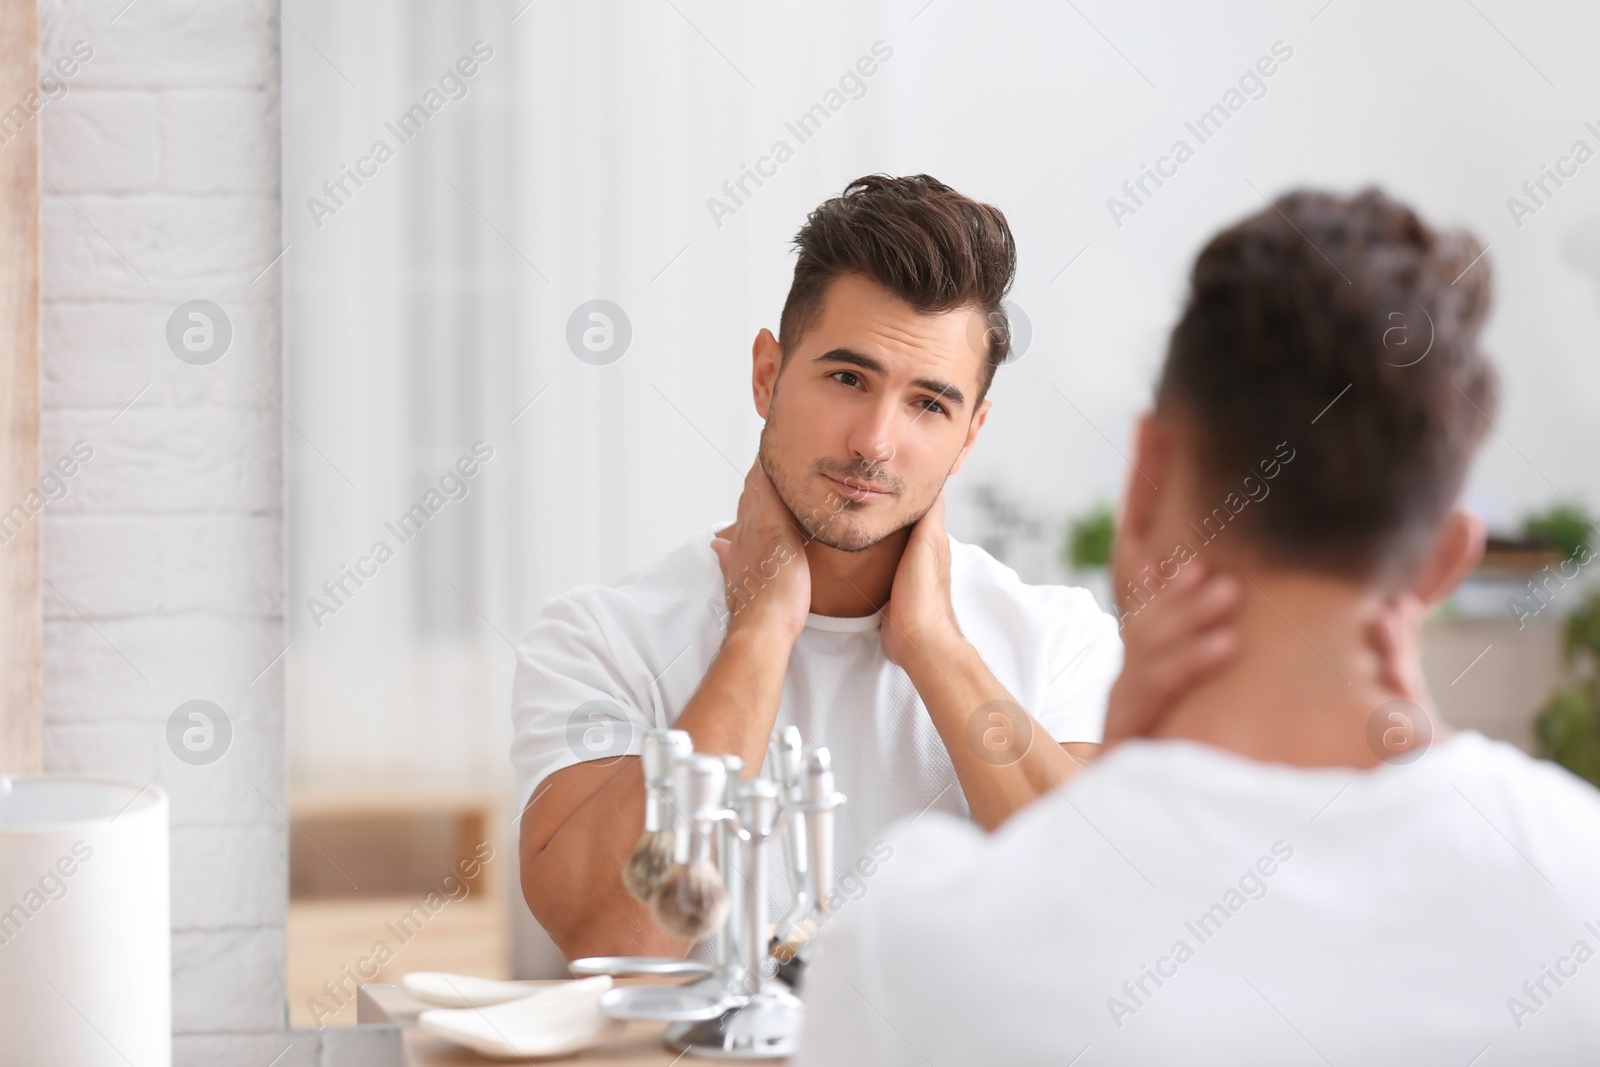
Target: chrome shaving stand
{"x":763,"y":1019}
{"x":701,"y":789}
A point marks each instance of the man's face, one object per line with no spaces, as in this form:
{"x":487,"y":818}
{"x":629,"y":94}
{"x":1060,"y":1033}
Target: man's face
{"x":872,"y":411}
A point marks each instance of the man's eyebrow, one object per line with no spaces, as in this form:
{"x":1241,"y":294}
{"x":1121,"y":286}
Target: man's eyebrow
{"x":855,"y":359}
{"x":944,"y":390}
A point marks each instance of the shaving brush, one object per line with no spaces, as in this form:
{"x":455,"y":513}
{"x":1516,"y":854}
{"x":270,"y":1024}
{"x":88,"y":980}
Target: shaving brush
{"x":691,"y":900}
{"x":758,"y":818}
{"x":818,"y":802}
{"x":648,"y":865}
{"x":785,"y":754}
{"x":652,"y":856}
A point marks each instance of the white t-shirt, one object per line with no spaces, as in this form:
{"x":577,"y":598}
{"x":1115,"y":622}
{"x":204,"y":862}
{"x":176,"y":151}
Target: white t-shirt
{"x":641,"y":646}
{"x":1180,"y":904}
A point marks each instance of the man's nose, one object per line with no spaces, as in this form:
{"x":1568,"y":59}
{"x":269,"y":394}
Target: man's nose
{"x":872,"y":438}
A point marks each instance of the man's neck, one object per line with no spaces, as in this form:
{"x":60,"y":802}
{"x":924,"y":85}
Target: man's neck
{"x":1306,"y":680}
{"x":852,"y":584}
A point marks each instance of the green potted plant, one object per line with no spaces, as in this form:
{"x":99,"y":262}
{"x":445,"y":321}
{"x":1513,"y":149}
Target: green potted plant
{"x":1088,"y":543}
{"x":1086,"y":552}
{"x":1528,"y":572}
{"x":1564,"y":527}
{"x":1568,"y":726}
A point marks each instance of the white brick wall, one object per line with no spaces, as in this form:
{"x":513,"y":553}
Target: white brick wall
{"x":164,"y":560}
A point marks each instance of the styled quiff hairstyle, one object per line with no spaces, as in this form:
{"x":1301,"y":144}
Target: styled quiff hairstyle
{"x":916,"y":237}
{"x":1348,"y":328}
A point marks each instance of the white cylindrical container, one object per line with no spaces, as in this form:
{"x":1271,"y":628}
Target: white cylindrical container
{"x":85,"y":923}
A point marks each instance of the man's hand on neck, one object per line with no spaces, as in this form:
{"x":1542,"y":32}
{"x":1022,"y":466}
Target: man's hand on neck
{"x":1003,"y":758}
{"x":919,"y":622}
{"x":764,"y":566}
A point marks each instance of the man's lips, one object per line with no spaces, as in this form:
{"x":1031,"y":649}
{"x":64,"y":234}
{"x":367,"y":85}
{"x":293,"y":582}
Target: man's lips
{"x":856,"y":490}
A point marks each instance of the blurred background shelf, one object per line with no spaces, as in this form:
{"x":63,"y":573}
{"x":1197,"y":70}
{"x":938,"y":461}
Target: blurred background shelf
{"x":1490,"y":676}
{"x":384,"y":881}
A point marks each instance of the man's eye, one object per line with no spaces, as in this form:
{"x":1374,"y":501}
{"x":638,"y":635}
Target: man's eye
{"x":929,"y":404}
{"x":844,"y":377}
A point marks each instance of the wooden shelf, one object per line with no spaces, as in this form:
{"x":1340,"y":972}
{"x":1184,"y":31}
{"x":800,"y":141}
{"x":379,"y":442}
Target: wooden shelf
{"x":388,"y":881}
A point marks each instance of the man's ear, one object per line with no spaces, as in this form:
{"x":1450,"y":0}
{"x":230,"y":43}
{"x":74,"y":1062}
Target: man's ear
{"x":979,"y":417}
{"x":1150,"y":460}
{"x":1148,"y":467}
{"x":1457,"y":548}
{"x":766,"y":357}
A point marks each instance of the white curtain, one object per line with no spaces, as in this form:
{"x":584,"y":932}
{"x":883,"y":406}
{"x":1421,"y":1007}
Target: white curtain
{"x":632,"y":117}
{"x":401,"y":355}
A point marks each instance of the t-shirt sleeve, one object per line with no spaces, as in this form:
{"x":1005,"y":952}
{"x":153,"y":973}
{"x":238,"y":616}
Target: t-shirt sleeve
{"x":1085,"y":659}
{"x":868,"y":956}
{"x":578,"y":695}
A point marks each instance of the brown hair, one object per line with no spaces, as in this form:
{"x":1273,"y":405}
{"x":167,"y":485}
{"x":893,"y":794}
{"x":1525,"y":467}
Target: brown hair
{"x":916,"y":237}
{"x":1348,"y":328}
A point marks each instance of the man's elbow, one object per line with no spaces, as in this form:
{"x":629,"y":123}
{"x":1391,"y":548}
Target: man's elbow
{"x":548,"y":909}
{"x":588,"y":921}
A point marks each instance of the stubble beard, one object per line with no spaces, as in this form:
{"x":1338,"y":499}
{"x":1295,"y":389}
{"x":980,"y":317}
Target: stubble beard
{"x":821,"y":524}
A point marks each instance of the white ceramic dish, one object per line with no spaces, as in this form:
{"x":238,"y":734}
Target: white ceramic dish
{"x":558,"y":1020}
{"x":463,"y":990}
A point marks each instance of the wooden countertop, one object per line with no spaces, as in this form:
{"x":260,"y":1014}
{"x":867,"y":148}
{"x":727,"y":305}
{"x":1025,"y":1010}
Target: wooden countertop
{"x":639,"y":1044}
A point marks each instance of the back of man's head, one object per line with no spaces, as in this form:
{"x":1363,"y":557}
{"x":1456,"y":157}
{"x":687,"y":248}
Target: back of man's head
{"x":1348,"y":328}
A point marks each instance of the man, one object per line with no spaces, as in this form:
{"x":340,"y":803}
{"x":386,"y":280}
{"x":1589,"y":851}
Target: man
{"x":835,"y":602}
{"x":1297,"y":862}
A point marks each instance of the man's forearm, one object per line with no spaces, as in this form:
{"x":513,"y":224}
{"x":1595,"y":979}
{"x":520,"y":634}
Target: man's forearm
{"x":573,"y":880}
{"x":736,"y":705}
{"x":1003,"y":758}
